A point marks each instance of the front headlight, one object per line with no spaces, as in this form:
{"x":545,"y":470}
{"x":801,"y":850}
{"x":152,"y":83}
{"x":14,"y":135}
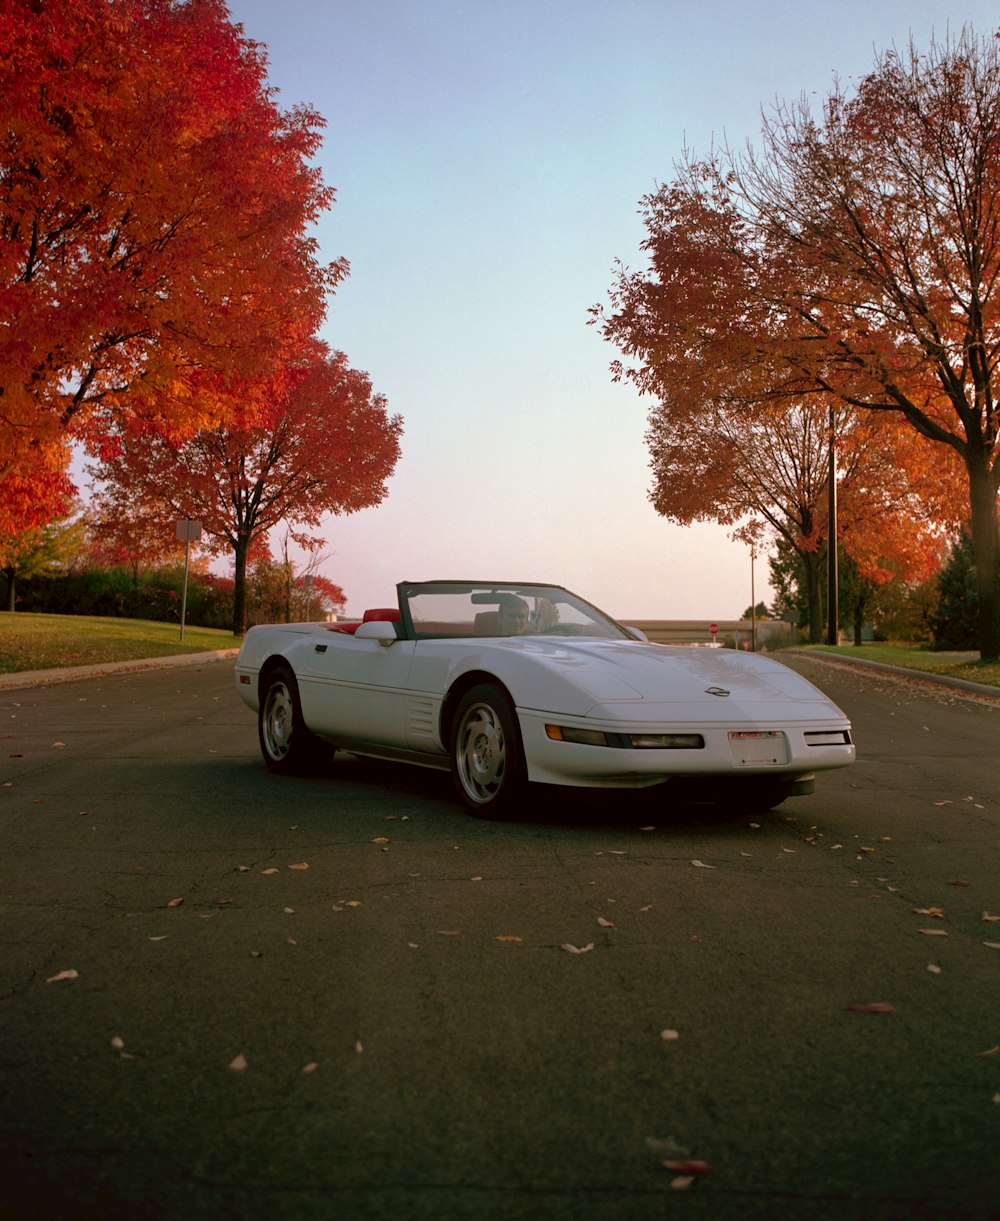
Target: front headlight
{"x":636,"y":741}
{"x":667,"y":741}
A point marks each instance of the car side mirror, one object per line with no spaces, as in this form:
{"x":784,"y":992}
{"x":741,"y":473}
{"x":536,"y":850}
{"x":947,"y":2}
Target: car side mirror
{"x":637,"y":632}
{"x":377,"y":629}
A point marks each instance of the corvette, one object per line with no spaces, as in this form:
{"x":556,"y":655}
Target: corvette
{"x":507,"y":684}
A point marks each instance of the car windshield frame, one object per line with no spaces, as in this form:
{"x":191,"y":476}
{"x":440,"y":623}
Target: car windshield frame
{"x":481,"y":610}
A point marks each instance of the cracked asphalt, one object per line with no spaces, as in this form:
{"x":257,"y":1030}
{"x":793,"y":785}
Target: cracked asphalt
{"x":229,"y":995}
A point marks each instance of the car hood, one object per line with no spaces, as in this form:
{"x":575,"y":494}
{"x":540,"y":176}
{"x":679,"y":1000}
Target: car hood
{"x":657,"y":678}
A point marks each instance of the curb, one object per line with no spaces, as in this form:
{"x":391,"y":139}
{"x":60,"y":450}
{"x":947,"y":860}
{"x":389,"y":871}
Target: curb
{"x":43,"y":678}
{"x":940,"y":680}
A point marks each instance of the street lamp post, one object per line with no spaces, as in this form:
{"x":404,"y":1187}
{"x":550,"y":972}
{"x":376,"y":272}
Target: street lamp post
{"x":831,"y":541}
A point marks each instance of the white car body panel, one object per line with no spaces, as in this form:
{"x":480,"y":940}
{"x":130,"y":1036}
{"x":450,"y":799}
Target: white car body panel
{"x":372,"y":693}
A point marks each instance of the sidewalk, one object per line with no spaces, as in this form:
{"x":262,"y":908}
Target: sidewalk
{"x":42,"y":678}
{"x":983,"y":690}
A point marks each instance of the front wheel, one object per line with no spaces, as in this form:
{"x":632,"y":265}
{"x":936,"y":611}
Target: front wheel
{"x":286,"y":744}
{"x":487,"y":760}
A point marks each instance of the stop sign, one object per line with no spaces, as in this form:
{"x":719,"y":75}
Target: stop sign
{"x":714,"y":629}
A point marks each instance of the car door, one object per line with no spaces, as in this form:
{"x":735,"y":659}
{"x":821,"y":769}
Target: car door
{"x":356,"y":690}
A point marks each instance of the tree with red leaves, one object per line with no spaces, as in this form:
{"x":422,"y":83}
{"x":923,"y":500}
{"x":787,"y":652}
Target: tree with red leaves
{"x":312,"y":440}
{"x":855,"y":257}
{"x":154,"y":212}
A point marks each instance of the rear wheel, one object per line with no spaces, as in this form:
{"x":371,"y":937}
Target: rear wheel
{"x":487,"y":759}
{"x":286,"y":744}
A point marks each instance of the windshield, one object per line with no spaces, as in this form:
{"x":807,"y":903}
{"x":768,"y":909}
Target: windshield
{"x":468,"y":608}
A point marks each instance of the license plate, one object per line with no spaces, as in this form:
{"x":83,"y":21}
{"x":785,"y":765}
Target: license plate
{"x":758,"y":747}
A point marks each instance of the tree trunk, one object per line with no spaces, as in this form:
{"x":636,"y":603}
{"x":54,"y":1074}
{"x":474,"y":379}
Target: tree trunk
{"x":859,"y":621}
{"x":10,"y":574}
{"x":986,"y":549}
{"x":240,"y":585}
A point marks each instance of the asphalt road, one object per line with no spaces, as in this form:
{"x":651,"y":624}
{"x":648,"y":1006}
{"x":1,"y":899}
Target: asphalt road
{"x":340,"y":997}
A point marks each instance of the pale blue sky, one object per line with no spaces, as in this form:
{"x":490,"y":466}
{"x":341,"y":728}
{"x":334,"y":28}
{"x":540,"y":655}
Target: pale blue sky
{"x":489,"y":158}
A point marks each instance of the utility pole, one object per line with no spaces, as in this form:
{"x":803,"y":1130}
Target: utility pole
{"x":831,"y":540}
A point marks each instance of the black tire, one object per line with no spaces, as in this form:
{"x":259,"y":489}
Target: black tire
{"x":286,"y":744}
{"x":487,"y":759}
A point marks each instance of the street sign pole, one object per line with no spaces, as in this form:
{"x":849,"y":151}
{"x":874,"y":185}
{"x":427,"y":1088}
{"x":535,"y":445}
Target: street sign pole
{"x":188,"y":532}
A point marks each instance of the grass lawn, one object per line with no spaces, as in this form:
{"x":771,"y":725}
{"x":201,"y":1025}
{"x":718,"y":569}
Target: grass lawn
{"x":915,"y":657}
{"x":44,"y":642}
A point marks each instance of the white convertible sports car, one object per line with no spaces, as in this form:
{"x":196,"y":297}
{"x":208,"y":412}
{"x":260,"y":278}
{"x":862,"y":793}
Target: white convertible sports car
{"x":509,"y":683}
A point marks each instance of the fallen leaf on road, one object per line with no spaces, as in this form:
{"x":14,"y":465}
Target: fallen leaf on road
{"x":358,"y":1047}
{"x":381,"y":839}
{"x":990,"y":1052}
{"x":448,"y":932}
{"x":933,"y":932}
{"x":991,"y":919}
{"x":118,"y":1043}
{"x":238,"y":1063}
{"x":58,"y":745}
{"x":267,"y":872}
{"x":604,"y":923}
{"x":162,"y":937}
{"x":682,"y":1182}
{"x":311,"y":1067}
{"x":942,"y":803}
{"x":937,"y":912}
{"x":669,"y":1036}
{"x":933,"y":968}
{"x":959,"y":883}
{"x":175,"y":903}
{"x":702,"y":865}
{"x":303,"y":865}
{"x":993,"y":945}
{"x":70,"y":974}
{"x":681,"y":1166}
{"x":878,"y":1007}
{"x":577,"y":949}
{"x":509,"y":938}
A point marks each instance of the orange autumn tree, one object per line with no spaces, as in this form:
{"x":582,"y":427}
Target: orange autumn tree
{"x":154,"y":213}
{"x":771,"y":465}
{"x":856,"y":255}
{"x":313,"y":440}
